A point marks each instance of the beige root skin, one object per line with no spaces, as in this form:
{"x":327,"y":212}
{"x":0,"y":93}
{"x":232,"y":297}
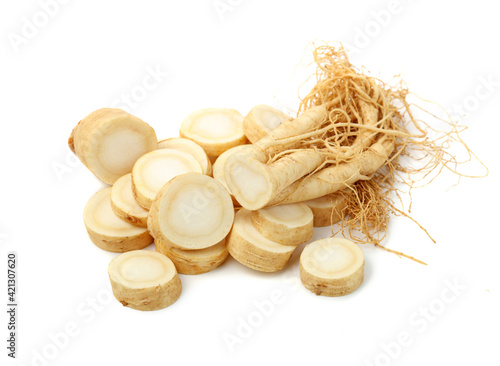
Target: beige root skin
{"x":114,"y":235}
{"x":332,"y":267}
{"x":328,"y":210}
{"x":124,"y":204}
{"x":93,"y":143}
{"x":193,"y":262}
{"x":286,"y":224}
{"x":191,"y":212}
{"x":189,"y":147}
{"x":204,"y":128}
{"x":250,"y":248}
{"x":149,"y":295}
{"x":261,"y":120}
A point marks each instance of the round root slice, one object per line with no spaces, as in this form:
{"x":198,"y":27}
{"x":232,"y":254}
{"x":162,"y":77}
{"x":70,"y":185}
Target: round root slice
{"x":124,"y":204}
{"x":214,"y":129}
{"x":108,"y":231}
{"x":193,"y":262}
{"x":261,"y":120}
{"x":327,"y":210}
{"x":144,"y":280}
{"x":218,"y":168}
{"x":254,"y":251}
{"x":192,"y":211}
{"x":155,"y":169}
{"x":290,"y":224}
{"x":332,"y":267}
{"x":190,"y":147}
{"x":109,"y":141}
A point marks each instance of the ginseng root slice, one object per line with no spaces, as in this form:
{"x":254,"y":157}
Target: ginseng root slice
{"x":193,"y":262}
{"x":124,"y":204}
{"x":214,"y":129}
{"x":190,"y":147}
{"x":109,"y":141}
{"x":192,"y":211}
{"x":332,"y":267}
{"x":108,"y":231}
{"x":290,"y":224}
{"x":156,"y":168}
{"x":144,"y":280}
{"x":261,"y":120}
{"x":327,"y":210}
{"x":254,"y":251}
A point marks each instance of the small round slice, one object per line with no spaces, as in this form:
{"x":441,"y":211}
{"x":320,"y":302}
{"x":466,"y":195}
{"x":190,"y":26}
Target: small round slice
{"x":156,"y":168}
{"x":109,"y":141}
{"x":124,"y":204}
{"x":108,"y":231}
{"x":191,"y":147}
{"x":261,"y":120}
{"x":332,"y":267}
{"x":193,"y":262}
{"x":251,"y":249}
{"x":214,"y":129}
{"x":192,"y":211}
{"x":144,"y":280}
{"x":327,"y":210}
{"x":290,"y":224}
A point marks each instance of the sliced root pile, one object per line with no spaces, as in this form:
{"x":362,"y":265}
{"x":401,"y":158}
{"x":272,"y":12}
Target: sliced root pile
{"x":189,"y":147}
{"x":290,"y":224}
{"x":261,"y":120}
{"x":153,"y":170}
{"x":253,"y":250}
{"x":144,"y":280}
{"x":214,"y":129}
{"x":332,"y":267}
{"x":328,"y":210}
{"x":108,"y":231}
{"x":192,"y":211}
{"x":124,"y":204}
{"x":109,"y":141}
{"x":193,"y":262}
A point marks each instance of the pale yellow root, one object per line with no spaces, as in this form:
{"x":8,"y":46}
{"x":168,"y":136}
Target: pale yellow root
{"x":328,"y":210}
{"x":190,"y":147}
{"x":108,"y":231}
{"x":192,"y":211}
{"x":261,"y":120}
{"x":144,"y":280}
{"x":109,"y":141}
{"x":290,"y":224}
{"x":254,"y":251}
{"x":332,"y":267}
{"x":214,"y":129}
{"x":124,"y":204}
{"x":193,"y":262}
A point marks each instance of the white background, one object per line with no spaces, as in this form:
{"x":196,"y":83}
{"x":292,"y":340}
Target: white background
{"x":89,"y":53}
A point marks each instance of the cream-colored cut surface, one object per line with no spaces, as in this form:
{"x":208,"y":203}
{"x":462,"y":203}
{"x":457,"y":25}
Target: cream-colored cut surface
{"x":155,"y":169}
{"x":124,"y":204}
{"x":107,"y":230}
{"x":261,"y":120}
{"x":189,"y":147}
{"x":214,"y":129}
{"x":291,"y":215}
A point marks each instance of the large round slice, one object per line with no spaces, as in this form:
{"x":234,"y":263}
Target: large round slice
{"x":261,"y":120}
{"x":124,"y":204}
{"x":214,"y":129}
{"x":253,"y":250}
{"x":108,"y":231}
{"x":156,"y":168}
{"x":191,"y":147}
{"x":144,"y":280}
{"x":109,"y":141}
{"x":192,"y":211}
{"x":332,"y":266}
{"x":290,"y":224}
{"x":194,"y":262}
